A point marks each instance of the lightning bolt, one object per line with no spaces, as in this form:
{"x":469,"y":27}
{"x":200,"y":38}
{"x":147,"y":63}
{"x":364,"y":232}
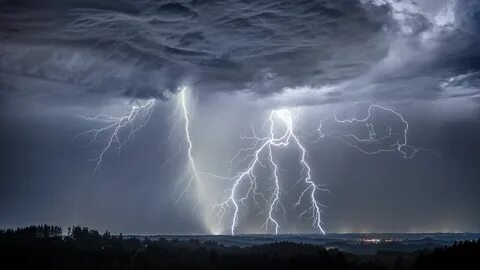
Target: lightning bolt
{"x":192,"y":173}
{"x":135,"y":119}
{"x":393,"y":139}
{"x":266,"y":144}
{"x":281,"y":134}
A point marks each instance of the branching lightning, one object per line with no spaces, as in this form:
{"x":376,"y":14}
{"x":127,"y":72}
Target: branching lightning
{"x":281,"y":133}
{"x":274,"y":202}
{"x":133,"y":120}
{"x":390,"y":142}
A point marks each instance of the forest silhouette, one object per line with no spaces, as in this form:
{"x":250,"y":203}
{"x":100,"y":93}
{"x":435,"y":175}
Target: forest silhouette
{"x":46,"y":247}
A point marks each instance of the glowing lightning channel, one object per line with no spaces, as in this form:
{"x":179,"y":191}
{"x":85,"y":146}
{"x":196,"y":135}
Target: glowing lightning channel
{"x":139,"y":115}
{"x":191,"y":162}
{"x":265,"y":144}
{"x":135,"y":119}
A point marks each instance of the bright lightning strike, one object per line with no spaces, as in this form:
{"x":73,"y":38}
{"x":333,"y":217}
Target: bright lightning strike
{"x":266,"y":145}
{"x":133,"y":120}
{"x":192,"y":173}
{"x":393,"y":139}
{"x":245,"y":185}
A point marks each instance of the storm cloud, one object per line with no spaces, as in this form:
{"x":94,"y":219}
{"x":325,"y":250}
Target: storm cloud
{"x":150,"y":48}
{"x":61,"y":59}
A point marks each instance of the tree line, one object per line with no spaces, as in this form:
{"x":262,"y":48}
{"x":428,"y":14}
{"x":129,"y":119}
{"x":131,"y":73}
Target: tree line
{"x":45,"y":247}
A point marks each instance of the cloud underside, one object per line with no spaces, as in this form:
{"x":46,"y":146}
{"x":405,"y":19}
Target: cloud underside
{"x":293,"y":51}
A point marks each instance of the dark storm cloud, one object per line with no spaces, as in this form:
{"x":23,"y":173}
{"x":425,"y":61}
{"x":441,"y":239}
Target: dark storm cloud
{"x":147,"y":48}
{"x":376,"y":48}
{"x":430,"y":44}
{"x":64,"y":58}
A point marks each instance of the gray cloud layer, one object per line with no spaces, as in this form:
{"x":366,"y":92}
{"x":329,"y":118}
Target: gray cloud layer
{"x":149,"y":48}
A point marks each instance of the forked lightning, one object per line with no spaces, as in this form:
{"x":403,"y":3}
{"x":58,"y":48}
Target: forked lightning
{"x":133,"y":121}
{"x":274,"y":202}
{"x":281,"y":134}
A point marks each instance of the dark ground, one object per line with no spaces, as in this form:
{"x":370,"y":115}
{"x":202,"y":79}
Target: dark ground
{"x":45,"y":247}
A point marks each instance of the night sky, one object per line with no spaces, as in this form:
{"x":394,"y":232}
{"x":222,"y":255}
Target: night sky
{"x":64,"y":60}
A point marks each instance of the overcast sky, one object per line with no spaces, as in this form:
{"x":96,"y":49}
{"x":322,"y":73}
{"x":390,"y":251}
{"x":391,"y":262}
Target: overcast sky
{"x":64,"y":60}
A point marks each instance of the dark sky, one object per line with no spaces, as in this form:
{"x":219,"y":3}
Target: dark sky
{"x":62,"y":60}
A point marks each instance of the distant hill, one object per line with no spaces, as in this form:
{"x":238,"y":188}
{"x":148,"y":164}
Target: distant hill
{"x":47,"y":247}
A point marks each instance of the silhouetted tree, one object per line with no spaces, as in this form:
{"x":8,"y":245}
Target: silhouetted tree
{"x":42,"y":247}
